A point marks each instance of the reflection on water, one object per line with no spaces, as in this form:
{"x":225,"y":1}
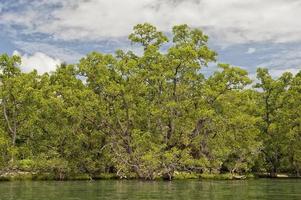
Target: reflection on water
{"x":245,"y":189}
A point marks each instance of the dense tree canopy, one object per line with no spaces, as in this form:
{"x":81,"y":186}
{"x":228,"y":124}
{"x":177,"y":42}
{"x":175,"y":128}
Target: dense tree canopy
{"x":149,"y":115}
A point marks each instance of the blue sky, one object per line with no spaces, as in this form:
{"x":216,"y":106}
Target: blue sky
{"x":248,"y":33}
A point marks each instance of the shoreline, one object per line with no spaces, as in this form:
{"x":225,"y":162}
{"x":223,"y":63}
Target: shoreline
{"x":34,"y":176}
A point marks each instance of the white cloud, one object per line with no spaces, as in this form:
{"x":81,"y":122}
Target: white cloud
{"x":39,"y":61}
{"x":287,"y":58}
{"x":251,"y":50}
{"x":63,"y":54}
{"x":278,"y":72}
{"x":230,"y":21}
{"x":87,"y":22}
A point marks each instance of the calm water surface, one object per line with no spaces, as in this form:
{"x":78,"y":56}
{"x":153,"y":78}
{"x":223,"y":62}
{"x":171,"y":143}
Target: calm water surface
{"x":77,"y":190}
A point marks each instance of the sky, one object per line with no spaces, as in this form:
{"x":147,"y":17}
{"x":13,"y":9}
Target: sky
{"x":245,"y":33}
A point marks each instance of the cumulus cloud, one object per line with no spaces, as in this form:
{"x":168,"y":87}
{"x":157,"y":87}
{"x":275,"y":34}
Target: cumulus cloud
{"x":64,"y":54}
{"x":230,"y":21}
{"x":39,"y":61}
{"x":247,"y":33}
{"x":279,"y":72}
{"x":251,"y":50}
{"x":286,"y":58}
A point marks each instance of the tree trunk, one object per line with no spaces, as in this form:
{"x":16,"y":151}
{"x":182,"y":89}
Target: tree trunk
{"x":11,"y":129}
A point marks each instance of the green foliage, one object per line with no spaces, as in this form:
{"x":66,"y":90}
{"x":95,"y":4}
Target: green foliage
{"x":146,"y":34}
{"x":185,"y":176}
{"x":150,"y":116}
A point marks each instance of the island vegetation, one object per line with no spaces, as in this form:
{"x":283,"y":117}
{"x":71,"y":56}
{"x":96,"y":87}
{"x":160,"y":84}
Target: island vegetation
{"x":148,"y":116}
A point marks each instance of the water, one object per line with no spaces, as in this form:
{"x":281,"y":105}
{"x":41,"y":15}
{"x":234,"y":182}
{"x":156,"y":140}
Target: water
{"x":77,"y":190}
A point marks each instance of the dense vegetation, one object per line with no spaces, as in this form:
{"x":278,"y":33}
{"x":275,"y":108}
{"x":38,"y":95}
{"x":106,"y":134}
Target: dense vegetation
{"x":150,"y":115}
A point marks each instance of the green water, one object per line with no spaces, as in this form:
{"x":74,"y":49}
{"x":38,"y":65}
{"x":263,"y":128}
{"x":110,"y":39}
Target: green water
{"x":246,"y":189}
